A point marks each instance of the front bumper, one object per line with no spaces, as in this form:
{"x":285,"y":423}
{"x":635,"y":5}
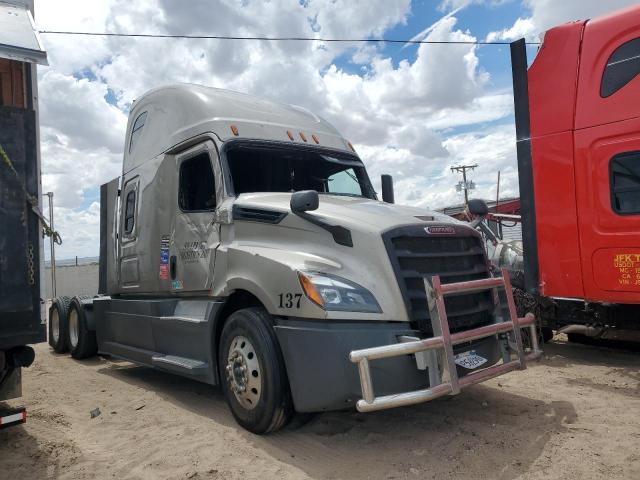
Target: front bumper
{"x":446,"y":380}
{"x":321,"y":377}
{"x":407,"y":369}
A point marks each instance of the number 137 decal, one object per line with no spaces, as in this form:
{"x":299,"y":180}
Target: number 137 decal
{"x":289,"y":300}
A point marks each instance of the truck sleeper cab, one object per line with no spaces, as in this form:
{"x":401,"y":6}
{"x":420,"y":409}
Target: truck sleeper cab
{"x":244,"y":246}
{"x":583,"y":186}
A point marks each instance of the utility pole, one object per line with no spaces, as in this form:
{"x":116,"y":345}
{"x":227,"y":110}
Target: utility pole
{"x":53,"y":250}
{"x":464,"y":185}
{"x":498,"y":192}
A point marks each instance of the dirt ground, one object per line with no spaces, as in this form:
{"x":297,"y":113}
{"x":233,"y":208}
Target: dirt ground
{"x":575,"y":415}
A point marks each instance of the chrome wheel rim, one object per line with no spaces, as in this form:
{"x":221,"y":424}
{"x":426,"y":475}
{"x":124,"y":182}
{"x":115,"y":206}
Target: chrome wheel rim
{"x":243,"y":372}
{"x":55,"y":325}
{"x":73,"y":327}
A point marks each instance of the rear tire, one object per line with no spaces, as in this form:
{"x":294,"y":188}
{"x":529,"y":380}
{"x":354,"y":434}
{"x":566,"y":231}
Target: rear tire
{"x":58,"y":324}
{"x":81,"y":341}
{"x":252,"y":373}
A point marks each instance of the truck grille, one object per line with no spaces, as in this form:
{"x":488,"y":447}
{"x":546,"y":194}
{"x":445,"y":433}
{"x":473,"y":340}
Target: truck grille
{"x":455,"y":257}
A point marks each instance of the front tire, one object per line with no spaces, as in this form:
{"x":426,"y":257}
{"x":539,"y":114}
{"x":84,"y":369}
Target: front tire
{"x":58,"y":324}
{"x":81,"y":341}
{"x":252,"y":374}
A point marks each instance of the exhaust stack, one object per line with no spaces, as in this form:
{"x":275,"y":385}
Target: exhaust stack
{"x":525,"y":164}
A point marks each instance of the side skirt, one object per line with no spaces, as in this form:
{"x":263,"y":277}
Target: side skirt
{"x":173,"y":335}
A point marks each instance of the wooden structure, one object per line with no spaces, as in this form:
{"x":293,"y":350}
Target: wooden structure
{"x":12,"y":83}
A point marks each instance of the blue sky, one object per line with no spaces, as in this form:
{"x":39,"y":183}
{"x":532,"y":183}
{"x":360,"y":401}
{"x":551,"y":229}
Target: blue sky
{"x":412,"y":111}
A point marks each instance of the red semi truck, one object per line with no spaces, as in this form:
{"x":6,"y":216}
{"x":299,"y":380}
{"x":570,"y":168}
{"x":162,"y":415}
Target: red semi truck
{"x":578,"y":130}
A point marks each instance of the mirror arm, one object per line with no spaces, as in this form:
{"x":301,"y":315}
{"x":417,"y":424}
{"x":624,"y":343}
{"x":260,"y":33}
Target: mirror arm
{"x":341,"y":235}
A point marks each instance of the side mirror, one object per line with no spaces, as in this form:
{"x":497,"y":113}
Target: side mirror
{"x":304,"y":201}
{"x":478,"y":207}
{"x":387,"y":188}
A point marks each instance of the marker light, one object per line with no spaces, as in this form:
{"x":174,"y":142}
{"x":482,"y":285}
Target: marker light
{"x":315,"y":139}
{"x":234,"y":130}
{"x":309,"y":290}
{"x":290,"y":134}
{"x":304,"y":139}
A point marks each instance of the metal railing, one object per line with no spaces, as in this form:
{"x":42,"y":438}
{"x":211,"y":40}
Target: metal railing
{"x":444,"y":341}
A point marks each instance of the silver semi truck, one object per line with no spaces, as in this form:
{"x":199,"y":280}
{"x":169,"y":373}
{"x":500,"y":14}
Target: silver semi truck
{"x":244,"y":246}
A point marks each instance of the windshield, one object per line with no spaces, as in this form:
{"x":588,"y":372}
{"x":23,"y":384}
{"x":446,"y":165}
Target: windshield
{"x":268,"y":168}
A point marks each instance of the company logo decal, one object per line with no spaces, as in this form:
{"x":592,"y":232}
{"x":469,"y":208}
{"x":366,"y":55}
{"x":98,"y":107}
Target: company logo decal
{"x":192,"y":252}
{"x":440,"y":230}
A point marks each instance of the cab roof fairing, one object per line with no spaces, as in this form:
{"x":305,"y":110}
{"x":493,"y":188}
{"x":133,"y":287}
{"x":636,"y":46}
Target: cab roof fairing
{"x":177,"y":113}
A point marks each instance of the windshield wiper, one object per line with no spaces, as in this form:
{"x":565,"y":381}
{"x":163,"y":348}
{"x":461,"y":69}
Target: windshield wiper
{"x":340,"y":194}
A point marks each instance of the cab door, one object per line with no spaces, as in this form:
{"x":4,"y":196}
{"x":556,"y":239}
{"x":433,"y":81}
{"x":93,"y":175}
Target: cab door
{"x":607,"y":159}
{"x":187,"y":254}
{"x":129,"y":261}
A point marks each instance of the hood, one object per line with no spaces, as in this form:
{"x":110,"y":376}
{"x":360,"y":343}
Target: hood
{"x":350,"y":211}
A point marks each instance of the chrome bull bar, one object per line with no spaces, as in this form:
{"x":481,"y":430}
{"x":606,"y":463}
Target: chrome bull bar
{"x":446,"y":378}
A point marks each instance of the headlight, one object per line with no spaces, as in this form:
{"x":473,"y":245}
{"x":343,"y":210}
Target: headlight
{"x":335,"y":293}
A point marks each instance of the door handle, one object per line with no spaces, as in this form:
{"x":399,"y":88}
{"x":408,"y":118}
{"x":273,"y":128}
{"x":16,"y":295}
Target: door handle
{"x":172,"y":266}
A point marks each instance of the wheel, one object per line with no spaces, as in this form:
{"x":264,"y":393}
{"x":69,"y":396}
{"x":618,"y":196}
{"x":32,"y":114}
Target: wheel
{"x":80,"y":340}
{"x":58,"y":317}
{"x":252,"y":374}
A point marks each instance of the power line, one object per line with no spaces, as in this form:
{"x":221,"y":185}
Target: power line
{"x":278,"y":39}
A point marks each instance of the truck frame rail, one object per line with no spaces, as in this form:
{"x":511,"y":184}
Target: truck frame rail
{"x":448,"y":382}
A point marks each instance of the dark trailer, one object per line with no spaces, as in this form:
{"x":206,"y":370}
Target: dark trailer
{"x":21,"y":311}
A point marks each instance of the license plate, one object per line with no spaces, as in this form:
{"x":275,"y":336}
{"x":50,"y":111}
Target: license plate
{"x":470,"y":360}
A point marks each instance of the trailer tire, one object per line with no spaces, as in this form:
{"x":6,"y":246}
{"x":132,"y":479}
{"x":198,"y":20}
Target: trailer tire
{"x":249,"y":341}
{"x":58,"y":324}
{"x":81,"y":341}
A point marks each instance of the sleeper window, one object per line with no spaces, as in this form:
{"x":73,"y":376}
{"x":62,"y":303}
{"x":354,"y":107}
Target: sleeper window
{"x":130,"y":212}
{"x":622,"y":67}
{"x":136,"y":131}
{"x":197,"y":187}
{"x":625,"y":183}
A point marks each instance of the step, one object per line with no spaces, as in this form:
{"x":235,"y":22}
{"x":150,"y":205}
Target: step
{"x":188,"y":366}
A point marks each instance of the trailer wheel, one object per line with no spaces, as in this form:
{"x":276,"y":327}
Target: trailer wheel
{"x":58,"y":317}
{"x":81,"y":341}
{"x":252,"y":374}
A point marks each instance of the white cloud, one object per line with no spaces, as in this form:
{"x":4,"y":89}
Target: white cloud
{"x":426,"y":180}
{"x":546,"y":14}
{"x":80,"y":231}
{"x":450,"y":5}
{"x":70,"y":53}
{"x":77,"y":108}
{"x":524,"y":27}
{"x":398,"y":114}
